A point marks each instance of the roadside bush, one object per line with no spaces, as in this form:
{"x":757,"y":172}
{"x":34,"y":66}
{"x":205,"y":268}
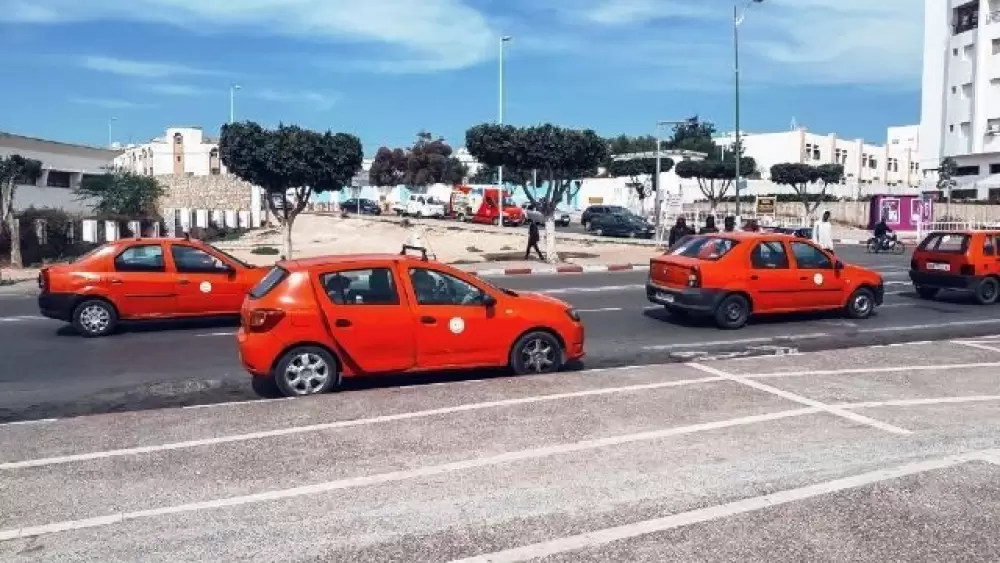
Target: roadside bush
{"x":265,"y":251}
{"x":47,"y":235}
{"x":212,"y":233}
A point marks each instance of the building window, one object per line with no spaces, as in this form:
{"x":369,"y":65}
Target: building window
{"x":972,"y":170}
{"x":812,"y":152}
{"x":58,"y":179}
{"x":951,"y":128}
{"x":967,"y":91}
{"x":995,"y":44}
{"x":872,"y":163}
{"x":969,"y":52}
{"x":215,"y":171}
{"x":178,"y":158}
{"x":178,"y":139}
{"x":954,"y":89}
{"x":954,"y":52}
{"x":995,"y":168}
{"x":965,"y":18}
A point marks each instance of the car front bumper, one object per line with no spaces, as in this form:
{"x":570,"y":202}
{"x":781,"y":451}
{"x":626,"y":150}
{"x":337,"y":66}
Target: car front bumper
{"x":694,"y":300}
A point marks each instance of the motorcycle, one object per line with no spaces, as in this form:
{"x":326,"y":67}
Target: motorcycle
{"x":891,"y":244}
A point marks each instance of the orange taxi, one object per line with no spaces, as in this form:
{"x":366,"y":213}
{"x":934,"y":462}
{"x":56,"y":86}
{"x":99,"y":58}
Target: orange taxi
{"x":732,"y":276}
{"x":143,"y":279}
{"x":967,"y":261}
{"x":311,"y":322}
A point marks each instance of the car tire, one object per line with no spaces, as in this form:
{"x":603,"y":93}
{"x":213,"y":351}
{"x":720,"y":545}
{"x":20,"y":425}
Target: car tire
{"x":732,"y":313}
{"x":926,"y":292}
{"x":95,"y":318}
{"x":586,"y":225}
{"x":898,"y":248}
{"x":537,"y":352}
{"x":265,"y":387}
{"x":872,"y":246}
{"x":599,"y":232}
{"x":321,"y":364}
{"x":987,"y":291}
{"x":861,"y":304}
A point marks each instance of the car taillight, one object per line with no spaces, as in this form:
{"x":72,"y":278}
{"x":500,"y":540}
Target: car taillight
{"x":263,"y":320}
{"x":968,"y":270}
{"x":43,"y":280}
{"x":694,"y":278}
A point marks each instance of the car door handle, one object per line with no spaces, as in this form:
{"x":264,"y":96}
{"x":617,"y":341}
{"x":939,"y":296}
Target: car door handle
{"x":428,"y":320}
{"x":183,"y":282}
{"x":754,"y":278}
{"x":342,"y":323}
{"x":803,"y":278}
{"x":116,"y":281}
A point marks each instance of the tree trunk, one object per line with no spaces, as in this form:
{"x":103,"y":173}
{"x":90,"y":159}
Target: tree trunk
{"x":286,"y":230}
{"x":13,"y":227}
{"x":550,"y":239}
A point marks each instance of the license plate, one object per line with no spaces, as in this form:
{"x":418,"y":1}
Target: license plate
{"x":669,"y":298}
{"x":939,"y":266}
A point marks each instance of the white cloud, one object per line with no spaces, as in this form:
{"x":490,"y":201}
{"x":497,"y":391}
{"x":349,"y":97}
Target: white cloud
{"x":178,"y":90}
{"x":138,"y":69}
{"x":319,"y":101}
{"x":429,"y":35}
{"x":109,"y":103}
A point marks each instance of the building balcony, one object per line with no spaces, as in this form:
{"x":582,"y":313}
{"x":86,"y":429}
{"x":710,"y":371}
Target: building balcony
{"x":993,"y":17}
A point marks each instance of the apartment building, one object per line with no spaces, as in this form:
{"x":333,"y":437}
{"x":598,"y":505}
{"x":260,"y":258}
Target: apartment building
{"x":893,"y":164}
{"x":181,"y":151}
{"x":960,"y":101}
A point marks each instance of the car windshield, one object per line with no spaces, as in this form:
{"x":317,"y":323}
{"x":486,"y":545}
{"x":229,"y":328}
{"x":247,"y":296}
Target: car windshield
{"x":704,"y":248}
{"x":508,"y":202}
{"x":510,"y":292}
{"x":434,"y":201}
{"x":90,"y":253}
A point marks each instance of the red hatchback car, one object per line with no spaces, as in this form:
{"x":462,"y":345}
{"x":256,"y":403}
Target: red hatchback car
{"x":311,"y":322}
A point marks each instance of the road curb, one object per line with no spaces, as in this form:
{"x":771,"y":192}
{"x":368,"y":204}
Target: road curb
{"x":567,"y":269}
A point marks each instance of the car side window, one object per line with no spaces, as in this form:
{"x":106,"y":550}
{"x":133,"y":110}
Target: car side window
{"x":432,"y":287}
{"x":191,"y":260}
{"x":989,"y":248}
{"x":371,"y":286}
{"x":141,"y":258}
{"x":809,"y":257}
{"x":769,"y":255}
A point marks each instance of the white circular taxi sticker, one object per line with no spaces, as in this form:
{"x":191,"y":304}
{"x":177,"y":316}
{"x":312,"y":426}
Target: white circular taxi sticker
{"x":456,"y":325}
{"x":818,"y":279}
{"x":205,"y":287}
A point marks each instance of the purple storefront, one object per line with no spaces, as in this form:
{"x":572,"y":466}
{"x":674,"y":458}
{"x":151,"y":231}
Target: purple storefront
{"x":901,"y":212}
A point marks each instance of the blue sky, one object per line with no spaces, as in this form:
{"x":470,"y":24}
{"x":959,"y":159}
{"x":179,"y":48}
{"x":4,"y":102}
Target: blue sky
{"x":386,"y":69}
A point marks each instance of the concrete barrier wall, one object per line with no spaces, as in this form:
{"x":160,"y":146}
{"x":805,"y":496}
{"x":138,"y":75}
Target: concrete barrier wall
{"x":855,"y":213}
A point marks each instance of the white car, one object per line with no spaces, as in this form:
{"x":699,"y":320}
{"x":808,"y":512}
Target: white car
{"x":424,"y":206}
{"x":535,"y":216}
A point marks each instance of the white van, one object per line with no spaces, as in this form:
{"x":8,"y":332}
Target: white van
{"x":424,"y":206}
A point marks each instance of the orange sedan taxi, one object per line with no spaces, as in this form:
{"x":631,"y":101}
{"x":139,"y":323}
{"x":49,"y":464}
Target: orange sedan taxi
{"x":731,"y":276}
{"x":309,"y":323}
{"x":143,"y":279}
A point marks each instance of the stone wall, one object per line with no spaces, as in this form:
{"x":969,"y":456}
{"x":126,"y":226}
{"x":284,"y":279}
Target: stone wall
{"x":855,"y":213}
{"x":205,"y":192}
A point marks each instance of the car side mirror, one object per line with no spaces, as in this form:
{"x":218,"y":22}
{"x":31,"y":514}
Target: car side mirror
{"x":489,"y":300}
{"x":838,"y":265}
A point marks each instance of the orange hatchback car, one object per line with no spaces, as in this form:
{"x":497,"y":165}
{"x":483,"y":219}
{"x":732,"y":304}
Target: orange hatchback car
{"x":967,"y":261}
{"x":731,"y":276}
{"x":309,"y":323}
{"x":143,"y":279}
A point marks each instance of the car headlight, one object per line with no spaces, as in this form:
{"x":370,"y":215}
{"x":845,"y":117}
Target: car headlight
{"x":573,"y":315}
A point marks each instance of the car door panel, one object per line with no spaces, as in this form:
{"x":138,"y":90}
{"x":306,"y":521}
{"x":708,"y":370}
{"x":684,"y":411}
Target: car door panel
{"x":772,"y":282}
{"x":821,"y":286}
{"x":204,"y":287}
{"x":142,"y":285}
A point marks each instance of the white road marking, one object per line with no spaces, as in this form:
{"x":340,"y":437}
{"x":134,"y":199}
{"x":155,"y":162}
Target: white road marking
{"x":920,"y":402}
{"x":931,"y":325}
{"x":892,"y":305}
{"x":711,"y":343}
{"x":227,"y":333}
{"x":58,"y":460}
{"x":595,"y":289}
{"x":600,"y":310}
{"x":597,"y":538}
{"x":976,"y":344}
{"x":850,"y":371}
{"x":21,"y":318}
{"x":395,"y":476}
{"x":29,"y":422}
{"x":235,"y":403}
{"x":855,"y":417}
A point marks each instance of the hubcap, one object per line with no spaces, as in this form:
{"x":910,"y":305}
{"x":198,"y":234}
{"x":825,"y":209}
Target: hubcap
{"x":95,"y":318}
{"x":538,"y":355}
{"x":862,"y":304}
{"x":734,"y":311}
{"x":307,"y":373}
{"x":989,"y":290}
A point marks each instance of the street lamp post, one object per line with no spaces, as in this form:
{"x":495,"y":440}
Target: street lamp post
{"x":739,"y":13}
{"x":503,"y":43}
{"x":111,"y":137}
{"x":658,"y":196}
{"x":232,"y":101}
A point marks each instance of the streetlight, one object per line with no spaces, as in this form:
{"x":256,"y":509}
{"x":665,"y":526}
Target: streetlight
{"x":739,"y":13}
{"x":111,"y":122}
{"x":658,"y":197}
{"x":232,"y":101}
{"x":503,"y":43}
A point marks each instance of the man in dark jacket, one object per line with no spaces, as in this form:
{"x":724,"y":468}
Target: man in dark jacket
{"x":709,"y":227}
{"x":729,"y":224}
{"x":533,"y":238}
{"x":679,"y":231}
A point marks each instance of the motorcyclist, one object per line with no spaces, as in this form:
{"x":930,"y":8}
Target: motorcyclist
{"x":882,"y":234}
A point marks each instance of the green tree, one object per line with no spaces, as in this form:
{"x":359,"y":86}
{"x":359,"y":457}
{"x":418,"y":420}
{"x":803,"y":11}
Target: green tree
{"x":388,"y":167}
{"x":430,"y":161}
{"x":122,"y":193}
{"x":14,"y":170}
{"x":560,"y":156}
{"x":947,"y":171}
{"x":620,"y":165}
{"x":695,"y":135}
{"x":489,"y":175}
{"x":290,"y":160}
{"x":800,"y":177}
{"x":714,"y":177}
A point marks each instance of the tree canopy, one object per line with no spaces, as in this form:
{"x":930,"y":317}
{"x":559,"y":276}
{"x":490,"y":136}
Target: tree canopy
{"x":714,"y":177}
{"x":14,"y":170}
{"x":290,"y":159}
{"x":695,"y":135}
{"x":801,"y":176}
{"x":947,"y":171}
{"x":618,"y":165}
{"x":490,"y":175}
{"x":122,"y":193}
{"x":429,"y":161}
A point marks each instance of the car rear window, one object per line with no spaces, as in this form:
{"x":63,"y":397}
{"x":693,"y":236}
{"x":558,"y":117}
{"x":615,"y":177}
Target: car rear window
{"x":953,"y":243}
{"x":704,"y":248}
{"x":270,"y":281}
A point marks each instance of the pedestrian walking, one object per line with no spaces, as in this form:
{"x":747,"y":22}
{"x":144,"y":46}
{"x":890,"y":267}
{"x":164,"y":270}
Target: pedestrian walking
{"x":823,"y":233}
{"x":729,"y":224}
{"x":709,"y":227}
{"x":679,"y":231}
{"x":533,"y":238}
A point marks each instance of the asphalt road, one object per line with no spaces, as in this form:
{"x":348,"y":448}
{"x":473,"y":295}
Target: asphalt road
{"x":861,"y":455}
{"x":47,"y":371}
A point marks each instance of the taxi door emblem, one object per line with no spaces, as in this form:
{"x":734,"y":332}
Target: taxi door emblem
{"x":818,"y":279}
{"x":205,"y":287}
{"x":456,"y":325}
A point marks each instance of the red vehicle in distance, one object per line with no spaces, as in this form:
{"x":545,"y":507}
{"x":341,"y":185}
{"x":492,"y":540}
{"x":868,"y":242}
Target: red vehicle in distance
{"x":487,"y":212}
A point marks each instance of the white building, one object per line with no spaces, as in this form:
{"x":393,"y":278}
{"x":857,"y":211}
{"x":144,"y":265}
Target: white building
{"x":960,"y":101}
{"x":894,"y":164}
{"x":463,"y":156}
{"x":183,"y":150}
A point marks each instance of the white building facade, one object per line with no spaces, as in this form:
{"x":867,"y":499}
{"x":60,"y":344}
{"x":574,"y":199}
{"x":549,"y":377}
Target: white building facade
{"x":895,"y":164}
{"x":181,"y":151}
{"x":960,"y":98}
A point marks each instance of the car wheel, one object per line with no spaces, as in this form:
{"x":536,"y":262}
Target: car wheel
{"x":536,"y":352}
{"x":306,"y":370}
{"x":631,"y":234}
{"x":95,"y":318}
{"x":927,"y":292}
{"x":872,"y":245}
{"x":496,"y":222}
{"x":586,"y":225}
{"x":898,"y":248}
{"x":265,"y":387}
{"x":733,"y":312}
{"x":599,"y":232}
{"x":861,"y":304}
{"x":988,"y":291}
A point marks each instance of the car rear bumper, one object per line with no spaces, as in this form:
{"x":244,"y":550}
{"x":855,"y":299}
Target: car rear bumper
{"x":694,"y":300}
{"x":58,"y":306}
{"x":256,"y":354}
{"x":943,"y":281}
